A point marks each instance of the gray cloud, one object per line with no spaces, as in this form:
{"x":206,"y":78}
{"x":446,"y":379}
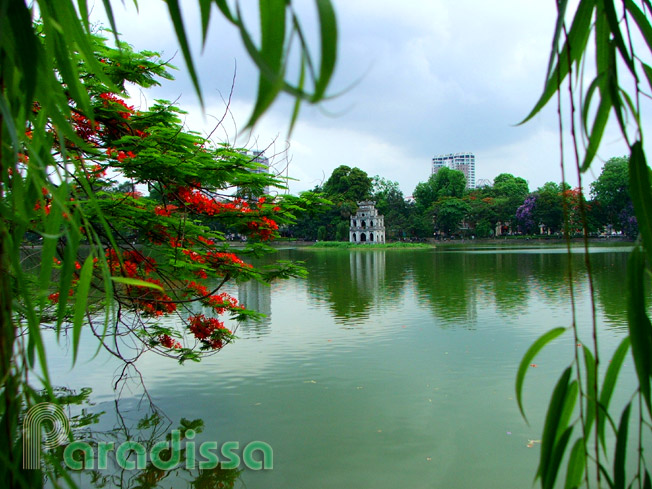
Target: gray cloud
{"x":419,"y":78}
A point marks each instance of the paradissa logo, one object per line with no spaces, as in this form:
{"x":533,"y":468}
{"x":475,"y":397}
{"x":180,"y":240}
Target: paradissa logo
{"x":164,"y":455}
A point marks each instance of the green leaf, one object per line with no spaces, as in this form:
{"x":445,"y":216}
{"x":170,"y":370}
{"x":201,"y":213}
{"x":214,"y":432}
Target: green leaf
{"x":572,"y":51}
{"x":27,"y":52}
{"x":576,"y":465}
{"x":271,"y":79}
{"x":640,"y":328}
{"x":568,"y":408}
{"x":81,"y":301}
{"x":612,"y":19}
{"x":297,"y":102}
{"x":136,"y":282}
{"x":620,"y":457}
{"x":641,"y":20}
{"x":641,"y":193}
{"x":549,"y":451}
{"x":527,"y":360}
{"x":328,"y":32}
{"x":226,"y":11}
{"x":205,"y":9}
{"x":591,"y":389}
{"x":599,"y":125}
{"x":609,"y":383}
{"x":177,"y":21}
{"x":557,"y":456}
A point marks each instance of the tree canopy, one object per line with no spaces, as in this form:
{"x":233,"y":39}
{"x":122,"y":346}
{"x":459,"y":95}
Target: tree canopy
{"x":348,"y":184}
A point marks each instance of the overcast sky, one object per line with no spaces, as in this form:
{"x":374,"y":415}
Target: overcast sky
{"x":419,"y":78}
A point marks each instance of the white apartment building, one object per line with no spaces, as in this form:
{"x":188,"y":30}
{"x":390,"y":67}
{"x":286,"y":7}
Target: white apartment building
{"x":464,"y":162}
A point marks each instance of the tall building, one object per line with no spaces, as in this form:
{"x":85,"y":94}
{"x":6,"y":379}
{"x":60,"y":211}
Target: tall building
{"x":464,"y":162}
{"x":263,"y":162}
{"x":261,"y":159}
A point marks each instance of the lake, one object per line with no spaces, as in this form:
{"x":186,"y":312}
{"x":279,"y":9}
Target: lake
{"x":383,"y":369}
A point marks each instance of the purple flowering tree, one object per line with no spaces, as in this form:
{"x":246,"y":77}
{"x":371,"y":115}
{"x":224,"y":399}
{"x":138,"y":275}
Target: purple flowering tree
{"x":525,"y":215}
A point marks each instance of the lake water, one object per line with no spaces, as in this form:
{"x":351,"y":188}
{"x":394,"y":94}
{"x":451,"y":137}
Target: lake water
{"x":382,"y":369}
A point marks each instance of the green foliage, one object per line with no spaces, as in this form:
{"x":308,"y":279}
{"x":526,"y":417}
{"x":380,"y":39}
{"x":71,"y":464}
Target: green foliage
{"x":549,"y":209}
{"x":342,"y":231}
{"x":444,"y":183}
{"x":53,"y":76}
{"x":509,"y":192}
{"x":621,"y":34}
{"x":348,"y":185}
{"x":449,"y":213}
{"x":611,"y":197}
{"x":391,"y":204}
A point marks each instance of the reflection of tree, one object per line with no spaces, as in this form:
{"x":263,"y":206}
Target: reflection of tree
{"x":445,"y":280}
{"x":608,"y":270}
{"x":349,"y":299}
{"x":151,"y":428}
{"x":258,"y":297}
{"x":455,"y":283}
{"x":507,"y":274}
{"x":356,"y":282}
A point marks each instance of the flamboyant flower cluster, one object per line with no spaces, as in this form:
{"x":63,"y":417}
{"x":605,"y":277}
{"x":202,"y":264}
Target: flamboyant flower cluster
{"x":264,"y":228}
{"x":198,"y":202}
{"x":168,"y":342}
{"x":210,"y":331}
{"x":133,"y":264}
{"x":110,"y":97}
{"x":192,"y":259}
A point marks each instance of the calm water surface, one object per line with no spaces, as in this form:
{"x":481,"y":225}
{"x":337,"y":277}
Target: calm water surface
{"x":383,"y":369}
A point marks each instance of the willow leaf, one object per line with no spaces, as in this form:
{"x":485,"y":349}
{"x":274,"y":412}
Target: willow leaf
{"x":620,"y":457}
{"x":591,"y":389}
{"x":547,"y":468}
{"x":81,"y":301}
{"x":136,"y":282}
{"x":609,"y":383}
{"x":328,"y":31}
{"x":557,"y":456}
{"x":641,"y":20}
{"x":177,"y":22}
{"x":640,"y":328}
{"x":527,"y":360}
{"x":641,"y":193}
{"x":576,"y":465}
{"x":599,"y":125}
{"x":205,"y":9}
{"x":572,"y":51}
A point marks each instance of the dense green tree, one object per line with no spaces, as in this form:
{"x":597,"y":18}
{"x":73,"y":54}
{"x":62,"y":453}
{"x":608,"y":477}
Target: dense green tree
{"x":611,"y":197}
{"x":482,"y":216}
{"x":444,"y":183}
{"x":348,"y":184}
{"x":549,"y":209}
{"x":391,"y":204}
{"x":510,"y":193}
{"x":449,"y":213}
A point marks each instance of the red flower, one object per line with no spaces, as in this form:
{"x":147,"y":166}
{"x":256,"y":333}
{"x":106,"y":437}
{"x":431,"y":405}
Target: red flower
{"x":168,"y":342}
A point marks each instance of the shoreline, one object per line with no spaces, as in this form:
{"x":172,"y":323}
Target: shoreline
{"x":433,"y":243}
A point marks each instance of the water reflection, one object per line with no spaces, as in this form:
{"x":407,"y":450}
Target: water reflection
{"x":406,"y":358}
{"x":458,"y":285}
{"x":348,"y":281}
{"x":143,"y":426}
{"x":257,"y":297}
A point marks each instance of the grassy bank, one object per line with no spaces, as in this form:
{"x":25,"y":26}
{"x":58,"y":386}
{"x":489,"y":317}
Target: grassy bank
{"x":347,"y":245}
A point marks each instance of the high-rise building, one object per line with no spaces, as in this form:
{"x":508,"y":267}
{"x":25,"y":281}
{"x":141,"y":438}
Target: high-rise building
{"x":464,"y":162}
{"x":261,"y":159}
